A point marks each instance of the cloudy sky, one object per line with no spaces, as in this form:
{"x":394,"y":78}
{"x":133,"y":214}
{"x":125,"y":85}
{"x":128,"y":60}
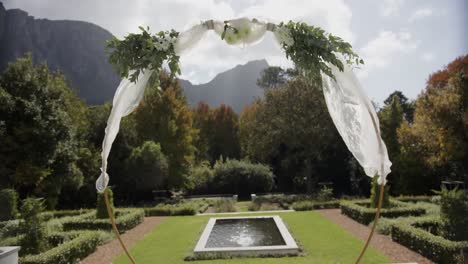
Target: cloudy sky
{"x":401,"y":41}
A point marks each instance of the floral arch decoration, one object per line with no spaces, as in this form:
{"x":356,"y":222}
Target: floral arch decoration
{"x":321,"y":57}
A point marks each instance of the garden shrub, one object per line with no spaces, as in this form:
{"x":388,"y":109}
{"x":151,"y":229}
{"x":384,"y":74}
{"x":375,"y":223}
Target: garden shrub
{"x":101,"y":209}
{"x":434,"y":247}
{"x":242,"y":177}
{"x":10,"y":228}
{"x":313,"y":205}
{"x":69,"y":251}
{"x":375,"y":193}
{"x":8,"y":204}
{"x":360,"y":211}
{"x":32,"y":227}
{"x":125,"y":219}
{"x":325,"y":194}
{"x":200,"y":179}
{"x":454,"y":214}
{"x":224,"y":205}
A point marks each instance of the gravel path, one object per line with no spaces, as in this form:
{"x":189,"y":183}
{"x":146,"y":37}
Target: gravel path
{"x":107,"y":252}
{"x":384,"y":244}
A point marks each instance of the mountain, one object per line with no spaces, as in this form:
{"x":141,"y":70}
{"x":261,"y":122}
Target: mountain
{"x":236,"y":87}
{"x":75,"y":48}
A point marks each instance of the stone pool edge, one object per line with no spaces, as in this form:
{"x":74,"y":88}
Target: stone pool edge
{"x":291,"y":247}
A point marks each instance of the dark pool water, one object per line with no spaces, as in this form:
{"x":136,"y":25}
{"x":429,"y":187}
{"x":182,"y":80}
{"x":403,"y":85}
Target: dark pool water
{"x":245,"y":233}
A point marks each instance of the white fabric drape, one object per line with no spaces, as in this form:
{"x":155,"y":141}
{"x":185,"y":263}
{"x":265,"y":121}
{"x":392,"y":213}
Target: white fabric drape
{"x":126,"y":99}
{"x":356,"y":120}
{"x":351,"y":111}
{"x":188,"y":39}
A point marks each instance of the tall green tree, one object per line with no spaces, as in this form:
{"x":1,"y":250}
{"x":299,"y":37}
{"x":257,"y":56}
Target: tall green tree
{"x":291,"y":130}
{"x":165,"y":117}
{"x":40,"y":117}
{"x":396,"y":109}
{"x":218,"y":132}
{"x":147,"y":170}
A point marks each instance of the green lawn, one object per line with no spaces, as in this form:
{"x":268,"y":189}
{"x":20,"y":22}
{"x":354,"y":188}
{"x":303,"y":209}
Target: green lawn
{"x":323,"y":241}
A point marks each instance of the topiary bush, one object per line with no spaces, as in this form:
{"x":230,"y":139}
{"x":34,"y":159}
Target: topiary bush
{"x":101,"y":209}
{"x":242,"y":177}
{"x":454,"y":214}
{"x":8,"y":204}
{"x":32,"y":227}
{"x":375,"y":194}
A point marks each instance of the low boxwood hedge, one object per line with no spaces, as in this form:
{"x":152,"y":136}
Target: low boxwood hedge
{"x":437,"y":248}
{"x":74,"y":247}
{"x":414,"y":199}
{"x":313,"y":205}
{"x":359,"y":210}
{"x":172,"y":210}
{"x":46,"y":216}
{"x":125,"y":219}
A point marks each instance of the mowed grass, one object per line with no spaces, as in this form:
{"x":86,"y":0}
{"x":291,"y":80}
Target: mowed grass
{"x":323,"y":241}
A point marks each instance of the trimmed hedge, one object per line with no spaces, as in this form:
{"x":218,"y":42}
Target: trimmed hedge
{"x":284,"y":200}
{"x":427,"y":244}
{"x":71,"y":251}
{"x":63,"y":213}
{"x":125,"y":219}
{"x":414,"y":199}
{"x":313,"y":205}
{"x":172,"y":210}
{"x":359,"y":210}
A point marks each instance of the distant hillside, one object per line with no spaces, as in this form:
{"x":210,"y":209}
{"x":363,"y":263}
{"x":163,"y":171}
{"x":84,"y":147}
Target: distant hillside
{"x":236,"y":87}
{"x":75,"y":48}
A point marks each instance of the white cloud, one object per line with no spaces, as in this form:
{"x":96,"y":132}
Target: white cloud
{"x":390,"y":7}
{"x":428,"y":56}
{"x":380,"y":51}
{"x":421,"y":13}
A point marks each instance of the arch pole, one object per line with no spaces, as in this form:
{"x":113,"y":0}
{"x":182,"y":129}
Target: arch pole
{"x":114,"y":227}
{"x":381,"y":194}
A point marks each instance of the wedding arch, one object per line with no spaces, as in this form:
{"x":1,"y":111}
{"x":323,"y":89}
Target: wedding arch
{"x":321,"y":57}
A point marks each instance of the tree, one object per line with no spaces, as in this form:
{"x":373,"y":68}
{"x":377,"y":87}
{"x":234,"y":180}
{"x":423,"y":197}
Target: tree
{"x":391,"y":116}
{"x":40,"y":118}
{"x":147,"y":169}
{"x":291,"y":130}
{"x":406,"y":105}
{"x":166,"y":118}
{"x":218,"y":132}
{"x":225,"y":140}
{"x":203,"y":121}
{"x":272,"y":77}
{"x":435,"y":145}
